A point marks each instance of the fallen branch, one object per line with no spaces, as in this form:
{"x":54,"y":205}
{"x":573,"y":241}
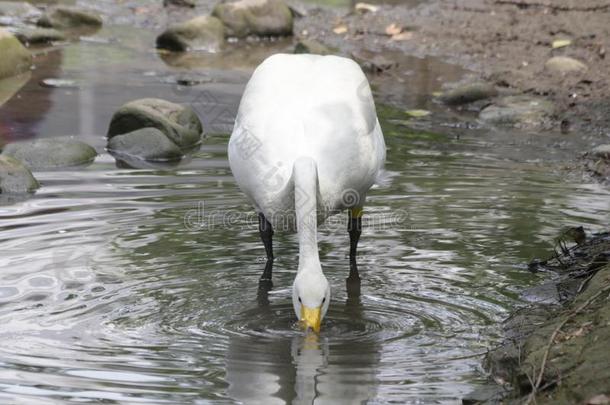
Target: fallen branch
{"x":545,"y":357}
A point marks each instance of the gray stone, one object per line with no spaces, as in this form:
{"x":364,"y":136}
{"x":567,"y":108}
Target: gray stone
{"x":564,"y":65}
{"x":147,"y":143}
{"x":19,"y":9}
{"x":51,"y":153}
{"x":29,"y":35}
{"x":179,"y":3}
{"x":601,"y":152}
{"x":254,"y":17}
{"x":311,"y":46}
{"x":180,"y":124}
{"x":15,"y":58}
{"x":200,"y":33}
{"x":70,"y":17}
{"x":15,"y":178}
{"x":521,"y":111}
{"x":468,"y":93}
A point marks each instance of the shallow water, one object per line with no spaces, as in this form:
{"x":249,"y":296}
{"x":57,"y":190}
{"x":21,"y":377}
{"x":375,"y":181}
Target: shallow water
{"x":140,"y":285}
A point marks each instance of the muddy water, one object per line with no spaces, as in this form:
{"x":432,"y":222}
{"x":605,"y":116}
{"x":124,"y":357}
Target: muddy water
{"x":140,"y":285}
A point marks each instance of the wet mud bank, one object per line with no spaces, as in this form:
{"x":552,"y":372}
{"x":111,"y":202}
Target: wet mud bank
{"x":556,"y":350}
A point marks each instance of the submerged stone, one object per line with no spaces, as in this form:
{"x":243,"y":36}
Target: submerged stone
{"x":15,"y":58}
{"x":468,"y":93}
{"x":15,"y":178}
{"x":200,"y":33}
{"x":254,"y":17}
{"x":180,"y":124}
{"x":51,"y":153}
{"x":147,"y":143}
{"x":70,"y":17}
{"x":521,"y":111}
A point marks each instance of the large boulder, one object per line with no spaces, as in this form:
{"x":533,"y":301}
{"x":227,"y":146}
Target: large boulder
{"x":147,"y":143}
{"x":519,"y":111}
{"x":180,"y":124}
{"x":51,"y":153}
{"x":200,"y":33}
{"x":15,"y":58}
{"x":254,"y":17}
{"x":15,"y":178}
{"x":69,"y":18}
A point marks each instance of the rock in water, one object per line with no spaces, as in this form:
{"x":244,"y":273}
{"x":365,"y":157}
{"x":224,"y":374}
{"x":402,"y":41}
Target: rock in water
{"x":29,"y":36}
{"x":179,"y":3}
{"x":70,"y":17}
{"x":521,"y":111}
{"x":14,"y":57}
{"x":311,"y":46}
{"x":254,"y":17}
{"x":18,"y":9}
{"x":51,"y":153}
{"x":15,"y":178}
{"x":601,"y":152}
{"x":469,"y":93}
{"x":564,"y":65}
{"x":180,"y":125}
{"x":200,"y":33}
{"x":147,"y":143}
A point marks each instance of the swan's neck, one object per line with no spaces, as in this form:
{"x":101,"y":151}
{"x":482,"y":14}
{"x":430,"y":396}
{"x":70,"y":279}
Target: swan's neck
{"x":306,"y":190}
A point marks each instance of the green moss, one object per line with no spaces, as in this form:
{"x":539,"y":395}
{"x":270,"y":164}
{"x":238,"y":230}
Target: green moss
{"x":15,"y":58}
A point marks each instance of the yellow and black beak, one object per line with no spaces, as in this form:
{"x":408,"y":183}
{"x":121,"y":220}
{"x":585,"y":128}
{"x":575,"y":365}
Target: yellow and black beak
{"x":311,"y":317}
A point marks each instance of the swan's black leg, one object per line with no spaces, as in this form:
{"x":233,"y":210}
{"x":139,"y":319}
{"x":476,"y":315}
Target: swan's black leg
{"x":354,"y":228}
{"x":266,"y":232}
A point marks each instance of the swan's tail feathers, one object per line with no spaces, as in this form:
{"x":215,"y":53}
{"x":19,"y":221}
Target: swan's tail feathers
{"x":384,"y":178}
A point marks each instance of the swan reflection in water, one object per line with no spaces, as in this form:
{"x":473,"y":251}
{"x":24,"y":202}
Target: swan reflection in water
{"x":304,"y":368}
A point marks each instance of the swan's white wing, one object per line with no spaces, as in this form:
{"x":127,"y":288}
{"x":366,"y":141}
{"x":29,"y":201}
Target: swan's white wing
{"x":306,"y":105}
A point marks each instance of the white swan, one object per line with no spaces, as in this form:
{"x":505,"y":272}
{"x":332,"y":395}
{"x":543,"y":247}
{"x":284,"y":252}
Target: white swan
{"x":306,"y":144}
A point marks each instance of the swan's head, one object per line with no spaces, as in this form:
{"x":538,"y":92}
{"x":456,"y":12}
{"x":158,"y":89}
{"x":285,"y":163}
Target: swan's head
{"x":310,"y":298}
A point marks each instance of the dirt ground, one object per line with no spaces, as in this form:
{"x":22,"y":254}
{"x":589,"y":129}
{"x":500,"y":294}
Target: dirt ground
{"x":506,"y":42}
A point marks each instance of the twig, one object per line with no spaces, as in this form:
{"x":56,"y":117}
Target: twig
{"x":545,"y":357}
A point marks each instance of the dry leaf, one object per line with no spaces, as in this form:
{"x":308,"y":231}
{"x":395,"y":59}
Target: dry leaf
{"x":560,"y":43}
{"x":393,"y":29}
{"x":340,"y":29}
{"x":417,"y":113}
{"x":403,"y":36}
{"x":365,"y":7}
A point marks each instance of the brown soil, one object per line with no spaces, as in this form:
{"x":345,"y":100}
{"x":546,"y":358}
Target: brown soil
{"x":505,"y":41}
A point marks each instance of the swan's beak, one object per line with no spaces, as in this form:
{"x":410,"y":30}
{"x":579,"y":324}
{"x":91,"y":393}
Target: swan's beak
{"x":311,"y":317}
